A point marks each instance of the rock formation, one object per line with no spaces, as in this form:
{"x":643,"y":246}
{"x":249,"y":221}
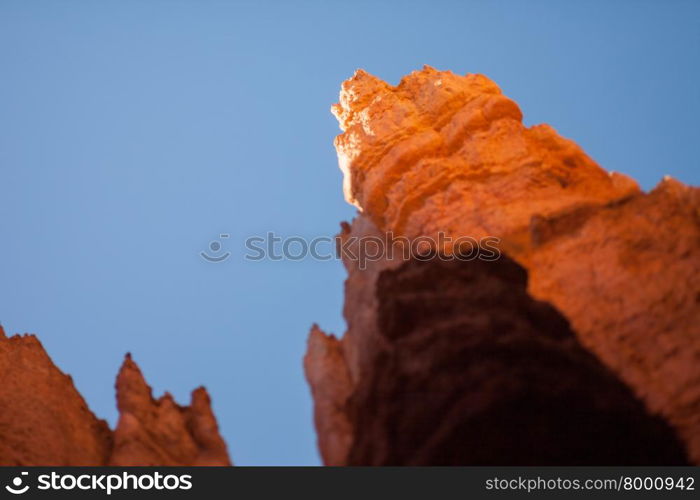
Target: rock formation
{"x":576,"y":342}
{"x":160,"y":432}
{"x":442,"y":155}
{"x":45,"y":421}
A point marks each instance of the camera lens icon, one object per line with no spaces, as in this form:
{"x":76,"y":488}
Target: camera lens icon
{"x":16,"y":488}
{"x":215,"y":247}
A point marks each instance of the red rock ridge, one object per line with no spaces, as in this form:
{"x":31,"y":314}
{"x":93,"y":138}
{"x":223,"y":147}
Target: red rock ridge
{"x":45,"y":421}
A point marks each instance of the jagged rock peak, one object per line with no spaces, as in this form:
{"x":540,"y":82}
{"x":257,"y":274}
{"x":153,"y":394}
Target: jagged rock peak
{"x":161,"y":432}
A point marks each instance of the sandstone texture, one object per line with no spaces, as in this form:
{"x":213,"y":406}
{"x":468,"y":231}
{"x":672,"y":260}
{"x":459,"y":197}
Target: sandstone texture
{"x":443,"y":153}
{"x":45,"y":421}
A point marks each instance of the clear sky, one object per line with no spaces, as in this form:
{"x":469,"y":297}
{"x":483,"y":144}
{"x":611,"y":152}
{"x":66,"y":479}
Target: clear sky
{"x":133,"y":133}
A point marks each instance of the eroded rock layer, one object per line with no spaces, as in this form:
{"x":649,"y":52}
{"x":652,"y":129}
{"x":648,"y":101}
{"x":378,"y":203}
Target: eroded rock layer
{"x":45,"y":421}
{"x":443,"y":153}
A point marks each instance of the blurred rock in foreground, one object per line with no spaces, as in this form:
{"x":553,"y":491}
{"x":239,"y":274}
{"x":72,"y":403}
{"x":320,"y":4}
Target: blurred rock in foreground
{"x":45,"y":421}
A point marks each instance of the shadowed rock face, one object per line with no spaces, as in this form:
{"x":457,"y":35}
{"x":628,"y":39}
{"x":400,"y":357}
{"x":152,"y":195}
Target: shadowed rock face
{"x":446,"y":154}
{"x":474,"y":371}
{"x":45,"y":421}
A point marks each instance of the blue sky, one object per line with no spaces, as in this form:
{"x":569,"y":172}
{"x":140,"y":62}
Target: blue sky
{"x":133,"y":133}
